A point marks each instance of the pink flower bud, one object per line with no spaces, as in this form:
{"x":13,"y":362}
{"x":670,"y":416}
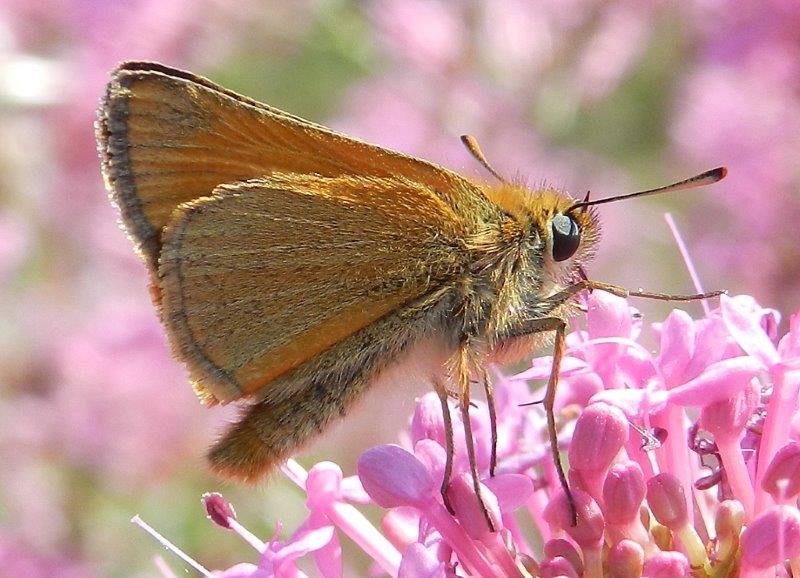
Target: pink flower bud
{"x":433,"y":457}
{"x":323,"y":485}
{"x":608,"y":316}
{"x":729,"y":518}
{"x":428,"y":422}
{"x":394,"y":477}
{"x":772,"y":538}
{"x":728,"y":524}
{"x":666,"y":565}
{"x":558,"y":547}
{"x":467,"y":508}
{"x":782,"y":478}
{"x":667,"y":501}
{"x":601,"y":431}
{"x":623,"y":492}
{"x":556,"y":568}
{"x":626,"y":560}
{"x":588,"y":533}
{"x":511,"y":490}
{"x":218,"y":509}
{"x":677,"y":343}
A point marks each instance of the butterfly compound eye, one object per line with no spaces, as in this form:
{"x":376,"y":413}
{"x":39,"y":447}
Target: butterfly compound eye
{"x":566,"y":237}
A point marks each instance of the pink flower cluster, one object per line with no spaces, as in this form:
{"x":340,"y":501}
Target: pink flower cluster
{"x":684,"y":462}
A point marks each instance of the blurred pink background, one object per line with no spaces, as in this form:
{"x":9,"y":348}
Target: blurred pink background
{"x":98,"y":423}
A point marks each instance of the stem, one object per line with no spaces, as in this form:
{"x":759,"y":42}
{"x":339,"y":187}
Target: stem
{"x":733,"y":460}
{"x":777,"y":425}
{"x":694,"y":547}
{"x":673,"y":456}
{"x":170,"y":546}
{"x":455,"y":536}
{"x":247,"y":536}
{"x":687,"y":260}
{"x":353,"y":523}
{"x":593,"y":564}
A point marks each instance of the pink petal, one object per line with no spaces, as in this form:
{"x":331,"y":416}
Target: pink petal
{"x":626,"y":559}
{"x":624,"y":490}
{"x":608,"y":316}
{"x":666,"y":565}
{"x":511,"y":490}
{"x":394,"y":477}
{"x":747,"y":331}
{"x":632,"y":402}
{"x":638,"y":367}
{"x":677,"y":346}
{"x":782,"y":478}
{"x":328,"y":559}
{"x":578,"y":389}
{"x":541,"y":366}
{"x":727,"y":418}
{"x":301,"y":544}
{"x":559,"y":547}
{"x":433,"y":457}
{"x":420,"y":562}
{"x":720,"y":381}
{"x":667,"y":501}
{"x":557,"y":567}
{"x":322,"y":485}
{"x":468,"y":511}
{"x":729,"y":519}
{"x":712,"y":343}
{"x":401,"y":526}
{"x":353,"y":491}
{"x":588,"y":533}
{"x":428,"y":422}
{"x":772,"y":538}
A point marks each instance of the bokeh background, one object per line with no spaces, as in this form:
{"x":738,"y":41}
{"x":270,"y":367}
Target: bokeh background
{"x":97,"y":423}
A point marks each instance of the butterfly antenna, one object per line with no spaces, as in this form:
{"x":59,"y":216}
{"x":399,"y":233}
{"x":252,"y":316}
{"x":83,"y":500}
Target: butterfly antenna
{"x":706,"y":178}
{"x":475,"y":150}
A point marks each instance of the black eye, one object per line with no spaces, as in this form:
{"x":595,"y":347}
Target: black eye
{"x":566,"y":237}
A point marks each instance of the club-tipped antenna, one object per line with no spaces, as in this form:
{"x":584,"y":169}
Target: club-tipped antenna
{"x":475,"y":150}
{"x":706,"y":178}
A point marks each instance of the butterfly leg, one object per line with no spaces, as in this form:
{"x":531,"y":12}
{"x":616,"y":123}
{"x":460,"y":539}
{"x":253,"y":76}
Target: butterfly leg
{"x":559,"y":326}
{"x":444,"y":394}
{"x":462,"y":368}
{"x":489,"y":389}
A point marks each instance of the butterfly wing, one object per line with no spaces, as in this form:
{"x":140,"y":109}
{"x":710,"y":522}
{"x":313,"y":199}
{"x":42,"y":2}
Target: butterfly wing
{"x":167,"y":137}
{"x":266,"y":274}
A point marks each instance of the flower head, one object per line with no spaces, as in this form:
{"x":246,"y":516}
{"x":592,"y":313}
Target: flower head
{"x":646,"y":480}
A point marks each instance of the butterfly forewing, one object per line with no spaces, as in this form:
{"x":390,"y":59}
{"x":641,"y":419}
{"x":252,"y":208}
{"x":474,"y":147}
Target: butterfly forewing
{"x":168,"y":137}
{"x":305,"y":260}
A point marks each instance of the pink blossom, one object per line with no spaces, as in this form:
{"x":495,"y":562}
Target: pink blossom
{"x":782,"y":477}
{"x":613,"y":478}
{"x":772,"y":537}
